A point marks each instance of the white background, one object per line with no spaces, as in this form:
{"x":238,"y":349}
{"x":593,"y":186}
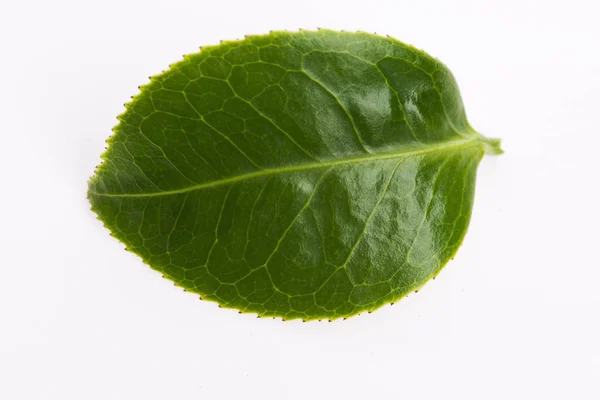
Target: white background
{"x":514,"y":316}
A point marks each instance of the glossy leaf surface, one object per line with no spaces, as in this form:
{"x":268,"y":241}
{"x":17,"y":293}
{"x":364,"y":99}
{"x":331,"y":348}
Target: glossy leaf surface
{"x":302,"y":175}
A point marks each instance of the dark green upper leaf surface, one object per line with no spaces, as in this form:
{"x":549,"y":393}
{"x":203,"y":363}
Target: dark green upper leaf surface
{"x":303,"y":175}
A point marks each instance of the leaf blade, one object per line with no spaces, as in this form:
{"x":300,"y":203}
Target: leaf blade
{"x":268,"y":213}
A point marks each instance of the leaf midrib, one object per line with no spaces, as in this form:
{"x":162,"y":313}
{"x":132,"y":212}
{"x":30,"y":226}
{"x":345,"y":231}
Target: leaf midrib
{"x":405,"y":152}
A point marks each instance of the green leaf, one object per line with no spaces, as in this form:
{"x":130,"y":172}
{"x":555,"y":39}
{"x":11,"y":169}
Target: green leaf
{"x":309,"y":175}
